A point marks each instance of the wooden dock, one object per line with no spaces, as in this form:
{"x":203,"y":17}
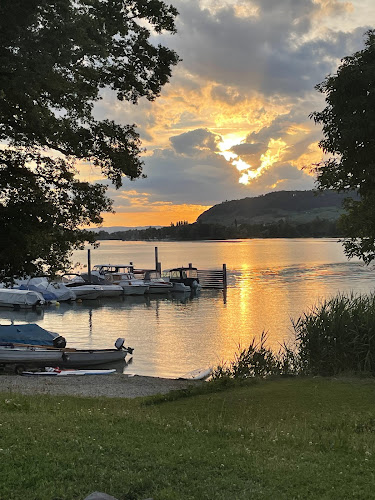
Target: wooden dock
{"x":213,"y":278}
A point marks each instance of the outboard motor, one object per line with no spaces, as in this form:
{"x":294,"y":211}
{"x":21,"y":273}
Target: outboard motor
{"x":119,"y":344}
{"x":59,"y":342}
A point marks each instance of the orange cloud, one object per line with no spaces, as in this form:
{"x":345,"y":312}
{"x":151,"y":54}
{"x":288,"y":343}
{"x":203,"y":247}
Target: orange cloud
{"x":207,"y":105}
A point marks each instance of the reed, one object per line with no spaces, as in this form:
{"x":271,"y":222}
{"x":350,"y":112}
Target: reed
{"x":336,"y":336}
{"x":257,"y":360}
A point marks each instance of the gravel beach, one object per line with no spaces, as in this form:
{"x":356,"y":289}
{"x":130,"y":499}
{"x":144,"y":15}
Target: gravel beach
{"x":111,"y":386}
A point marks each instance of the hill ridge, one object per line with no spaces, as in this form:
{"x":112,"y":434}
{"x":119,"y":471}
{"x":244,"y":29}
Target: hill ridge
{"x":290,"y":206}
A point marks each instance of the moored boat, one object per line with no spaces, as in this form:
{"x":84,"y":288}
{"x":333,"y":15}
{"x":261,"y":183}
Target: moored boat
{"x":154,"y":281}
{"x":18,"y":347}
{"x":51,"y":290}
{"x":109,"y":289}
{"x":82,"y":290}
{"x":121,"y":275}
{"x":20,"y":299}
{"x":183,"y":278}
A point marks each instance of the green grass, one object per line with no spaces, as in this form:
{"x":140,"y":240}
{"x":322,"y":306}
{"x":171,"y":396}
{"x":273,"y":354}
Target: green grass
{"x":274,"y":439}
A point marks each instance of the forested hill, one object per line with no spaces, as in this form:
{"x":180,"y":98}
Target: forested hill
{"x":286,"y":214}
{"x":294,"y":207}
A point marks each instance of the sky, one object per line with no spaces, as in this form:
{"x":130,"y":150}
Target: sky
{"x":234,"y":119}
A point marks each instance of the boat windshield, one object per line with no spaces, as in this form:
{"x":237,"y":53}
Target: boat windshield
{"x":104,"y":269}
{"x":191,"y":273}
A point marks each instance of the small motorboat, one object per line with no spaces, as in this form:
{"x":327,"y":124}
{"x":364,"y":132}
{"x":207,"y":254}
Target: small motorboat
{"x":52,"y":291}
{"x":82,"y":290}
{"x":154,"y":281}
{"x":20,"y":299}
{"x":183,"y":278}
{"x":18,"y":347}
{"x":121,"y":275}
{"x":110,"y":289}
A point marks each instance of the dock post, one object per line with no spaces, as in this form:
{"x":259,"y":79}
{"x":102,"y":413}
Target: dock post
{"x":157,"y":263}
{"x":89,"y":264}
{"x":224,"y":276}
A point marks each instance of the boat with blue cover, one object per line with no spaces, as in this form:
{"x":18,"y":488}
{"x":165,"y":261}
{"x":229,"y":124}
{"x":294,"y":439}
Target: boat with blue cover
{"x":32,"y":346}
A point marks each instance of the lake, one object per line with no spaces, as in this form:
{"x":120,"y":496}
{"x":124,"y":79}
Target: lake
{"x":270,"y":281}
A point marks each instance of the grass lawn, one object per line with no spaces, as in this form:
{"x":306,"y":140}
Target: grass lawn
{"x":275,"y":439}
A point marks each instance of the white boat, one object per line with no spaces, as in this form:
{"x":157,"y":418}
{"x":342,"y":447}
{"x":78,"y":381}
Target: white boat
{"x":20,"y":299}
{"x":51,"y":290}
{"x":110,"y":289}
{"x":82,"y":290}
{"x":152,"y":278}
{"x":18,"y":347}
{"x":121,"y":275}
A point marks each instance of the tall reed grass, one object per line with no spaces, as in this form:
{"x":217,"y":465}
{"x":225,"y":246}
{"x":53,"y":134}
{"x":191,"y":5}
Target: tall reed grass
{"x":336,"y":336}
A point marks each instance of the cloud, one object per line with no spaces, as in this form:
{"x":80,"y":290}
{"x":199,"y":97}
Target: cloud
{"x":274,"y":52}
{"x":245,"y":88}
{"x":192,"y":142}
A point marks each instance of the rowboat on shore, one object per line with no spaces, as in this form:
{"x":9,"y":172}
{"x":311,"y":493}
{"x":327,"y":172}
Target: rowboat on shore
{"x":18,"y":347}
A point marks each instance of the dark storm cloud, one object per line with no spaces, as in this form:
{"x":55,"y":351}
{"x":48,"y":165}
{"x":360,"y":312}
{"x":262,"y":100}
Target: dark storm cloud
{"x":281,"y":177}
{"x":266,"y":53}
{"x":190,"y":143}
{"x":205,"y":179}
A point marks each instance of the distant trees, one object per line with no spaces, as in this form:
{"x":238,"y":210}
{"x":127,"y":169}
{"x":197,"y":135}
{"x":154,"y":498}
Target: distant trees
{"x":55,"y":59}
{"x":317,"y":228}
{"x":348,"y":123}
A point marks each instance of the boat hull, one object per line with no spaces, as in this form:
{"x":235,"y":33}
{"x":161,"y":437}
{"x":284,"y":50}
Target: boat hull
{"x":134,"y":289}
{"x":158,"y":288}
{"x":30,"y":356}
{"x":87,"y":294}
{"x":80,"y":358}
{"x":111,"y":291}
{"x":84,"y":358}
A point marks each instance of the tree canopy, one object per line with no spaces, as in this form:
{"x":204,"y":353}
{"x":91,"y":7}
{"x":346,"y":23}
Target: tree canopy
{"x":348,"y":123}
{"x":56,"y":57}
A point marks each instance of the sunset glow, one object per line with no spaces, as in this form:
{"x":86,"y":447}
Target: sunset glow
{"x":162,"y":215}
{"x":233,"y":121}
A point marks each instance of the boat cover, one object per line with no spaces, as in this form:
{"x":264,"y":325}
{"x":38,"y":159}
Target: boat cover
{"x":12,"y":297}
{"x":26,"y":334}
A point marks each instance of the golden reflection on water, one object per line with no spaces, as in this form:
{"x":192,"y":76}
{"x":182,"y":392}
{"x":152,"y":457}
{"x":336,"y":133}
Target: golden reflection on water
{"x":269,"y":282}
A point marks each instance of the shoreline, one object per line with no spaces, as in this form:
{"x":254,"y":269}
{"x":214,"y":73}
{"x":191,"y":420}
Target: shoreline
{"x":112,"y":386}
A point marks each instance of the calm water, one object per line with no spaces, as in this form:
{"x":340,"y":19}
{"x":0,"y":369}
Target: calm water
{"x":269,"y":282}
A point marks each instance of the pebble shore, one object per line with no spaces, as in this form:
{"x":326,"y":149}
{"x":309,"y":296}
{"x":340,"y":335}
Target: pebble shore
{"x":111,"y":386}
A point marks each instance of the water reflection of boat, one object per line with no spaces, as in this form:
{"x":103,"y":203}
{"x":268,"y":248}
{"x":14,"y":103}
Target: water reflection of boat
{"x":26,"y":315}
{"x":181,"y":297}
